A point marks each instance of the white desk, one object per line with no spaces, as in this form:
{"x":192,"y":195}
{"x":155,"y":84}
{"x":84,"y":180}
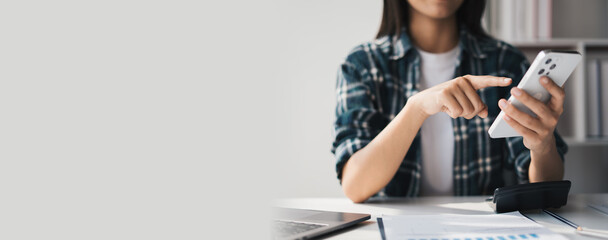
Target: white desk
{"x":576,"y":211}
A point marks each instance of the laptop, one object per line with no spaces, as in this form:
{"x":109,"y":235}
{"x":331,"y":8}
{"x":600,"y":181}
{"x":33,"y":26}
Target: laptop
{"x":305,"y":224}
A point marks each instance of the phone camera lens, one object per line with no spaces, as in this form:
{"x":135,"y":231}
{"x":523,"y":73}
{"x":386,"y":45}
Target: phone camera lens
{"x":552,"y":66}
{"x":541,"y":71}
{"x":548,"y":61}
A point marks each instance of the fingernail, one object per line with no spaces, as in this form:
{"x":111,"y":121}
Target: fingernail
{"x":544,"y":80}
{"x":507,"y":80}
{"x":507,"y":118}
{"x":503,"y":104}
{"x":516,"y":91}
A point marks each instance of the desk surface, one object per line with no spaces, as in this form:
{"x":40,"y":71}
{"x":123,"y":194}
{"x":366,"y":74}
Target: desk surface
{"x":576,"y":210}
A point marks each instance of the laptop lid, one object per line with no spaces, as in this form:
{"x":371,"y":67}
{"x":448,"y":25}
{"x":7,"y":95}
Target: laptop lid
{"x":292,"y":223}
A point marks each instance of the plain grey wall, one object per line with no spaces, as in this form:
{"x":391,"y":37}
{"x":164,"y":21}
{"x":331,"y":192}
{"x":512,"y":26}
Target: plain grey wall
{"x":138,"y":119}
{"x":319,"y":35}
{"x":580,"y":19}
{"x":586,"y":167}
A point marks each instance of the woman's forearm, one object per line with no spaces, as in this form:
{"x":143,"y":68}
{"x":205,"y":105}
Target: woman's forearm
{"x":546,"y":166}
{"x":372,"y":167}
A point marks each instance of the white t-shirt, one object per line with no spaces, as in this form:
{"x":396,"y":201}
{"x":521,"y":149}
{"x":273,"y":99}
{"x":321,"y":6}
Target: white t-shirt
{"x":437,"y":135}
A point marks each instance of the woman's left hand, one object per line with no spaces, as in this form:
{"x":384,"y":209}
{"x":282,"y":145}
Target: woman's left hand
{"x":537,"y":131}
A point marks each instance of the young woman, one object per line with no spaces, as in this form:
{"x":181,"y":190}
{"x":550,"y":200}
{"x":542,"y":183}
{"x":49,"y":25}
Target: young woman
{"x":414,"y":107}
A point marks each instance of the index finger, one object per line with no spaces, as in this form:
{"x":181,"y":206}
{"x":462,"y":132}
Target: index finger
{"x":480,"y":82}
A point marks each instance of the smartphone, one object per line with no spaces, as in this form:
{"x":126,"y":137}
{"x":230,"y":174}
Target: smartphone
{"x":557,"y":65}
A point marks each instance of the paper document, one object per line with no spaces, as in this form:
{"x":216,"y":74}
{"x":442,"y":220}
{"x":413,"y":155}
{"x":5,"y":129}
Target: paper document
{"x":603,"y":208}
{"x":506,"y":226}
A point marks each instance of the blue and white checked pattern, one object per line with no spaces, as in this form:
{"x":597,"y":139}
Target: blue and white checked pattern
{"x":375,"y":82}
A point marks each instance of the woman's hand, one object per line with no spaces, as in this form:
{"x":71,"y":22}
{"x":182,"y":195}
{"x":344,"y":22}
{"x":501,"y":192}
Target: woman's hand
{"x":537,"y":131}
{"x":458,"y":97}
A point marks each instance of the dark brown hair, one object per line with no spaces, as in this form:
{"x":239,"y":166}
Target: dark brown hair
{"x":395,"y":16}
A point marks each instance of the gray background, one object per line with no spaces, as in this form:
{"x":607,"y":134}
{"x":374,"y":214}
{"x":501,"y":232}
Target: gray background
{"x":138,"y":119}
{"x":580,"y":19}
{"x":321,"y":34}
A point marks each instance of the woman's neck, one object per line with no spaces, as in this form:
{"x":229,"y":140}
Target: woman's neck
{"x":433,"y":35}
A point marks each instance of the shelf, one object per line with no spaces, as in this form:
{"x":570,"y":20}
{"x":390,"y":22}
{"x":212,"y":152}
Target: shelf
{"x":590,"y":142}
{"x":561,"y":43}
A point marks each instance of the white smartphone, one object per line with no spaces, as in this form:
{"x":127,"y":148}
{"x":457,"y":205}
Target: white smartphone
{"x":558,"y":65}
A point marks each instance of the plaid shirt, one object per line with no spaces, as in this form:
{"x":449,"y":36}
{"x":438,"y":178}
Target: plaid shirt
{"x":374,"y":84}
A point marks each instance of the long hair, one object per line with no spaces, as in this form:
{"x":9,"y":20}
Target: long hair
{"x":395,"y":16}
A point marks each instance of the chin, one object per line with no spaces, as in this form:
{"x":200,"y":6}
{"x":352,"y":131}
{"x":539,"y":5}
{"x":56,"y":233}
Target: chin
{"x":440,"y":14}
{"x":438,"y":9}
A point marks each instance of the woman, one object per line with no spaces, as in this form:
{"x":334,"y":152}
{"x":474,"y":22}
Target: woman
{"x":414,"y":107}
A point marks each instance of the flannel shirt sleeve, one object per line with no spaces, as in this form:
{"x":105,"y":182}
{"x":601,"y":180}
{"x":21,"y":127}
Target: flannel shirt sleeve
{"x":518,"y":155}
{"x":358,"y":120}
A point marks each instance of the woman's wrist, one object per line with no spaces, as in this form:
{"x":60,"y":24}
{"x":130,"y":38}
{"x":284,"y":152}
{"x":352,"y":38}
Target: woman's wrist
{"x":546,"y":164}
{"x":414,"y":107}
{"x":546,"y":148}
